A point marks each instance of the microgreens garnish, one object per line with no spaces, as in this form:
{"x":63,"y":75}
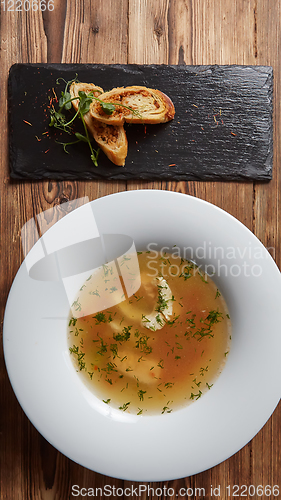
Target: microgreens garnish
{"x":59,"y":121}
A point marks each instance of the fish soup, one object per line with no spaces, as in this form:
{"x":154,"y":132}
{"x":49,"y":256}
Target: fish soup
{"x":159,"y":349}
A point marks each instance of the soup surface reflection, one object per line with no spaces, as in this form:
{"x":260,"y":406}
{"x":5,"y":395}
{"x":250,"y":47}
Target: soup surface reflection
{"x":159,"y":349}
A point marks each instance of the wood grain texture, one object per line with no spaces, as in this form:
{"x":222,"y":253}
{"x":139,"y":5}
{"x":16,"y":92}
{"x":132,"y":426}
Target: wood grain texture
{"x":133,"y":31}
{"x":54,"y":24}
{"x":267,"y":206}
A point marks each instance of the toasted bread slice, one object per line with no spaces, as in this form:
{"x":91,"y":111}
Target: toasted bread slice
{"x":134,"y":105}
{"x":111,"y":139}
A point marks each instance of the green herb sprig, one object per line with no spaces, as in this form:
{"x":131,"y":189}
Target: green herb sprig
{"x":59,"y":121}
{"x":109,"y":107}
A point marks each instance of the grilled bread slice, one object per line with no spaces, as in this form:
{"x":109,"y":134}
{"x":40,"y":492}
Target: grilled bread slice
{"x":111,"y":139}
{"x":134,"y":104}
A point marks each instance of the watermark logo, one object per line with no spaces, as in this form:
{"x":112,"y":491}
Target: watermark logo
{"x":209,"y":260}
{"x":97,"y":270}
{"x":27,"y":5}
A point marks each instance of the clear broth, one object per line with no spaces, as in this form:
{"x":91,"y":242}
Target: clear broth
{"x":160,"y":349}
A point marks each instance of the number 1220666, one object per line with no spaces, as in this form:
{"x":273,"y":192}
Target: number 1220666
{"x":27,"y":5}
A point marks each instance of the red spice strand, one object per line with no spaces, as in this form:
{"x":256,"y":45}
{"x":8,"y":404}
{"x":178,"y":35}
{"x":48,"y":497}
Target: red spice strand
{"x":55,"y":95}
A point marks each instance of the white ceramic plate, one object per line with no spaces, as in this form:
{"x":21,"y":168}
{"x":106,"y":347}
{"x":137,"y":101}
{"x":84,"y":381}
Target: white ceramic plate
{"x":172,"y":445}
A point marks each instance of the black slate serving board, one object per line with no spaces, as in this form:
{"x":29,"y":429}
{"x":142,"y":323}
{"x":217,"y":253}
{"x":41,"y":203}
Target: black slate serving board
{"x":222,"y":129}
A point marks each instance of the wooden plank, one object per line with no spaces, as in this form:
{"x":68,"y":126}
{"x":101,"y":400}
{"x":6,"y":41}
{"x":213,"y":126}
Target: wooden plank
{"x":267,"y":199}
{"x":148,"y":32}
{"x":54,"y":22}
{"x":98,"y":32}
{"x":267,"y":217}
{"x":17,"y":42}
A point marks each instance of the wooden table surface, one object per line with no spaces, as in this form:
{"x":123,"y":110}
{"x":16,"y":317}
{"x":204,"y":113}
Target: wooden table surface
{"x":133,"y":31}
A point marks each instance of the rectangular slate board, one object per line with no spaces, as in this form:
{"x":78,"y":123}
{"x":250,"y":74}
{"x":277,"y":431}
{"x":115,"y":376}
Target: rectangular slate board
{"x":222,"y":128}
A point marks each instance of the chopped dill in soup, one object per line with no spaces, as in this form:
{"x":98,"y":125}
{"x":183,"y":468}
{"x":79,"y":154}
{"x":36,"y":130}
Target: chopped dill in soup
{"x":160,"y":348}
